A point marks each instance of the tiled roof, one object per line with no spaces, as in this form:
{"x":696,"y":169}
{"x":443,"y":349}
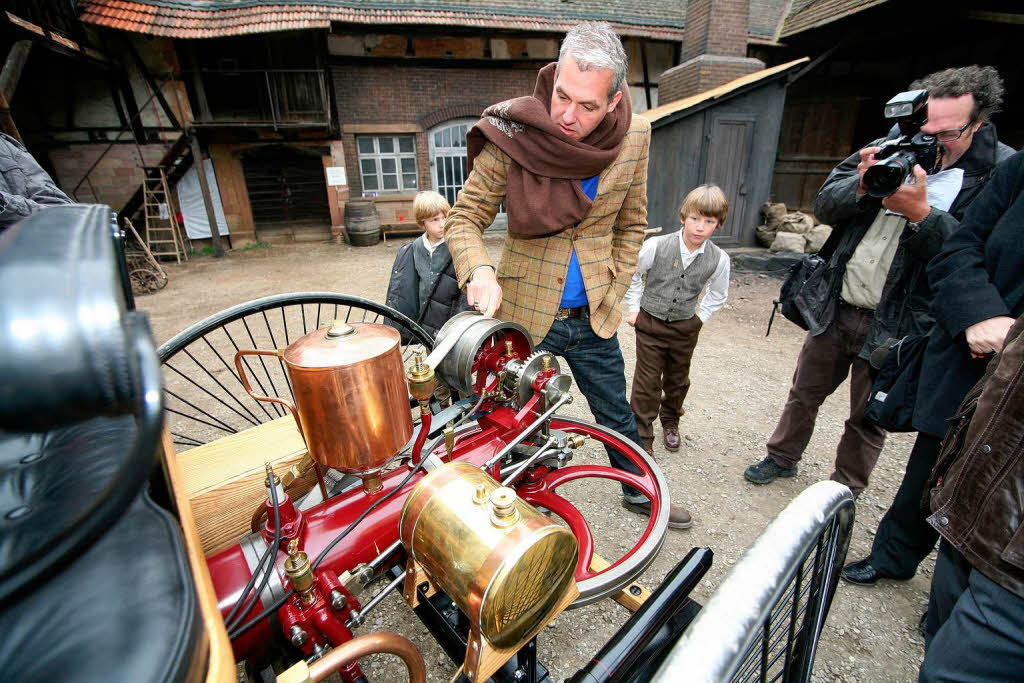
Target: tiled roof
{"x":658,"y":19}
{"x":808,"y":14}
{"x":676,"y":106}
{"x":765,"y":17}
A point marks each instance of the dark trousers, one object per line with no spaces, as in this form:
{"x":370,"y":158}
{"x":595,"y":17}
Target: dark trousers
{"x":600,"y":373}
{"x":974,"y":630}
{"x":904,"y":536}
{"x":662,"y":375}
{"x":823,"y":364}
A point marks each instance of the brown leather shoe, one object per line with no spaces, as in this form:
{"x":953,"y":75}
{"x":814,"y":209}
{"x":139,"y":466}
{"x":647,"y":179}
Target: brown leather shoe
{"x":678,"y":517}
{"x":672,"y":438}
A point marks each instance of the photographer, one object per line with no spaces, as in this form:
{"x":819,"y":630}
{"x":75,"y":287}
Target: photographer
{"x":874,"y":286}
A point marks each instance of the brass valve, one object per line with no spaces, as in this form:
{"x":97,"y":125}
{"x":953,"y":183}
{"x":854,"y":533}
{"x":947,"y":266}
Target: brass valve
{"x":509,"y":351}
{"x":299,"y":571}
{"x":546,"y":362}
{"x":574,"y":441}
{"x":422,"y":381}
{"x":503,"y":507}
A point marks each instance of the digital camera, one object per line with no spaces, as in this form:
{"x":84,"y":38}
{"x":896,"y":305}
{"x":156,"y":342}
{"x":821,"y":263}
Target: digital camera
{"x":897,"y":157}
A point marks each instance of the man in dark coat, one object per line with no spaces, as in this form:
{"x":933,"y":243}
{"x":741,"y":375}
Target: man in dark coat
{"x":25,"y":187}
{"x":978,"y":280}
{"x":974,"y":629}
{"x":874,"y":287}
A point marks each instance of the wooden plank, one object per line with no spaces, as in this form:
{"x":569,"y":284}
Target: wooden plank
{"x":223,"y":479}
{"x":221,"y":666}
{"x":627,"y":597}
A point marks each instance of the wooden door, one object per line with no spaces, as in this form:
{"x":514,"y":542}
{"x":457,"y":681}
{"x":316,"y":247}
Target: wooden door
{"x":728,"y":158}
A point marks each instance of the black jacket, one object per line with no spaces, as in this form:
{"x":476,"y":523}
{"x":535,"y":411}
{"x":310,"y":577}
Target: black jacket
{"x":444,"y":301}
{"x":904,"y":305}
{"x":978,"y":275}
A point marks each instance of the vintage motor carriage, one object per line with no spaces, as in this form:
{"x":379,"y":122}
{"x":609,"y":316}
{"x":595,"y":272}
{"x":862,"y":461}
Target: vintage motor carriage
{"x":256,"y":501}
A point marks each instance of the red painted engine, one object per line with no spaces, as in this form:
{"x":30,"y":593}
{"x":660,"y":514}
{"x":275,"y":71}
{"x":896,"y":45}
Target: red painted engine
{"x":308,"y":589}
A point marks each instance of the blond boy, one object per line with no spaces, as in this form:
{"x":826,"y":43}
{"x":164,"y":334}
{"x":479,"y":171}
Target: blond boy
{"x":662,"y":300}
{"x":423,"y":283}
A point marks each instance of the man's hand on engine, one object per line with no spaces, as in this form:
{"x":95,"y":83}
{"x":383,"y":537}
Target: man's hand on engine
{"x":483,"y":291}
{"x":867,"y":160}
{"x":911,"y":200}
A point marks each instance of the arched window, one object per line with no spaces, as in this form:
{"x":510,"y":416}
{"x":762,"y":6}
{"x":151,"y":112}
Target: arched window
{"x":448,"y":168}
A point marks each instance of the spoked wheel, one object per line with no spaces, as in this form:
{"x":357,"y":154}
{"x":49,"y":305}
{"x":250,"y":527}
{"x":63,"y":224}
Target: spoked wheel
{"x":205,"y":397}
{"x":147,"y":280}
{"x":539,"y":486}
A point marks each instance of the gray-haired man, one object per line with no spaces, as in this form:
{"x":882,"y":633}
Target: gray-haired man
{"x":572,"y":245}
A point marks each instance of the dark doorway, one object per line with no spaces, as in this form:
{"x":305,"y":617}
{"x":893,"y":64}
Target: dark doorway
{"x":287,"y":193}
{"x":728,"y":164}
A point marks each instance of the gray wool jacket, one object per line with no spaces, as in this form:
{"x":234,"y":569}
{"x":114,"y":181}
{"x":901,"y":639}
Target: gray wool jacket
{"x":25,"y":187}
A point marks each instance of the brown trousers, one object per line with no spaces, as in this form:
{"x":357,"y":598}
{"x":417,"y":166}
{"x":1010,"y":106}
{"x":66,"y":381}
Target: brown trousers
{"x":662,"y":375}
{"x":823,"y":365}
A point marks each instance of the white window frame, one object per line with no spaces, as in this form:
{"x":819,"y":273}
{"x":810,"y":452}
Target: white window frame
{"x":377,"y":157}
{"x":500,"y":219}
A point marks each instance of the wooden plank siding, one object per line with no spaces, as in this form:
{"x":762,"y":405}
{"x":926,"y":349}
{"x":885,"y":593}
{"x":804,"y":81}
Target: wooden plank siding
{"x":731,"y":142}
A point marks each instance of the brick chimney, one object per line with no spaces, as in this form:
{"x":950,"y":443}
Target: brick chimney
{"x":714,"y":49}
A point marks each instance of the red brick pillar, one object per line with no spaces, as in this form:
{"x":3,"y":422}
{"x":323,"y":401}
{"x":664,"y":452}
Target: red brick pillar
{"x":714,"y":49}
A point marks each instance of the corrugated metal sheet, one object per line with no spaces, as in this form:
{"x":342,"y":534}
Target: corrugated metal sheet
{"x":815,"y":13}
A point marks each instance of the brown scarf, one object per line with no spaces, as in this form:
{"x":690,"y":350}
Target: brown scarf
{"x":543,"y":193}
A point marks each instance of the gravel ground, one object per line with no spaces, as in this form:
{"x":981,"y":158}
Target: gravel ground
{"x":739,"y":382}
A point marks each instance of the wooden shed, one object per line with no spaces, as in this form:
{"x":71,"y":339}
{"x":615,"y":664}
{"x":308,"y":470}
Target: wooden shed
{"x":727,"y":136}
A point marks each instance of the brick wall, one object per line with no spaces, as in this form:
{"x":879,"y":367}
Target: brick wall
{"x":116,"y":177}
{"x":419,"y":97}
{"x":716,"y":27}
{"x":703,"y":73}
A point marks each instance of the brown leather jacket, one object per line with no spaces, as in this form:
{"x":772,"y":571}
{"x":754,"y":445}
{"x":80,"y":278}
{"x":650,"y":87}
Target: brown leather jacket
{"x":977,"y":496}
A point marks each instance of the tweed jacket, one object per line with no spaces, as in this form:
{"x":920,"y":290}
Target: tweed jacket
{"x":532,"y":271}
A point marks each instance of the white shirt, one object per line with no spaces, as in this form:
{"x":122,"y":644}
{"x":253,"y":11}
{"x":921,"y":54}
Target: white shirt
{"x":431,"y":247}
{"x":718,"y":283}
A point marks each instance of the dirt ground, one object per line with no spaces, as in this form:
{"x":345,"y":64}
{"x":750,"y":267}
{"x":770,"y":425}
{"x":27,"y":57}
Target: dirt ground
{"x":739,"y":382}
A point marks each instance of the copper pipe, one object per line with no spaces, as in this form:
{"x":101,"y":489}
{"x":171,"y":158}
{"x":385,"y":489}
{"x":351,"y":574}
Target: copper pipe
{"x":370,"y":644}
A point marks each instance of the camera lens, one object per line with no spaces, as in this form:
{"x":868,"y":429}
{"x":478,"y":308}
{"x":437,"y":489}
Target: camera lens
{"x":886,"y":176}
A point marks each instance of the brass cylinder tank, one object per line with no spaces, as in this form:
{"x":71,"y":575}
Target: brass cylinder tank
{"x":351,"y":399}
{"x":507,"y":566}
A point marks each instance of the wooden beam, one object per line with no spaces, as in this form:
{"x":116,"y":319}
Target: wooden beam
{"x":13,"y":67}
{"x":153,"y":85}
{"x":632,"y":596}
{"x":7,"y":121}
{"x":204,"y":187}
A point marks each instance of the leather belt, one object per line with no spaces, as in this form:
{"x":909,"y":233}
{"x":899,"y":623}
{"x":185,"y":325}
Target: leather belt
{"x":847,"y":304}
{"x":576,"y":312}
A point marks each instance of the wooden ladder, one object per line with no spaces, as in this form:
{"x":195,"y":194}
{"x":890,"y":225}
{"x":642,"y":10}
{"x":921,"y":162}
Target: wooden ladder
{"x":163,"y":234}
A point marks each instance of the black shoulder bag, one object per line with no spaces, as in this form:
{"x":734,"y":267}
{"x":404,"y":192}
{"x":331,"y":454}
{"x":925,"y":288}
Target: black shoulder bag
{"x":894,"y":392}
{"x":804,"y":271}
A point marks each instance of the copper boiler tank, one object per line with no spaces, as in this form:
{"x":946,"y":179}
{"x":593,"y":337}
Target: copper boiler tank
{"x":508,"y":567}
{"x":351,"y":399}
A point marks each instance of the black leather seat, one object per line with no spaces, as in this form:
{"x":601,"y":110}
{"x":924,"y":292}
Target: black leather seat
{"x":94,"y":579}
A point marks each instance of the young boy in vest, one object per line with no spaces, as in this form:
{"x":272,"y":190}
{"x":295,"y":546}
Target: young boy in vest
{"x":423,"y":283}
{"x":662,"y":300}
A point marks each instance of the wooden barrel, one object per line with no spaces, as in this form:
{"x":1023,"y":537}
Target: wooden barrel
{"x":362,"y":222}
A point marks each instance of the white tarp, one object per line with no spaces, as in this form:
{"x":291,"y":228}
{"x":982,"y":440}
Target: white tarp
{"x":193,"y":210}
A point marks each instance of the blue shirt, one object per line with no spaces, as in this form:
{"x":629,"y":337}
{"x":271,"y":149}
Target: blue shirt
{"x":574,"y":293}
